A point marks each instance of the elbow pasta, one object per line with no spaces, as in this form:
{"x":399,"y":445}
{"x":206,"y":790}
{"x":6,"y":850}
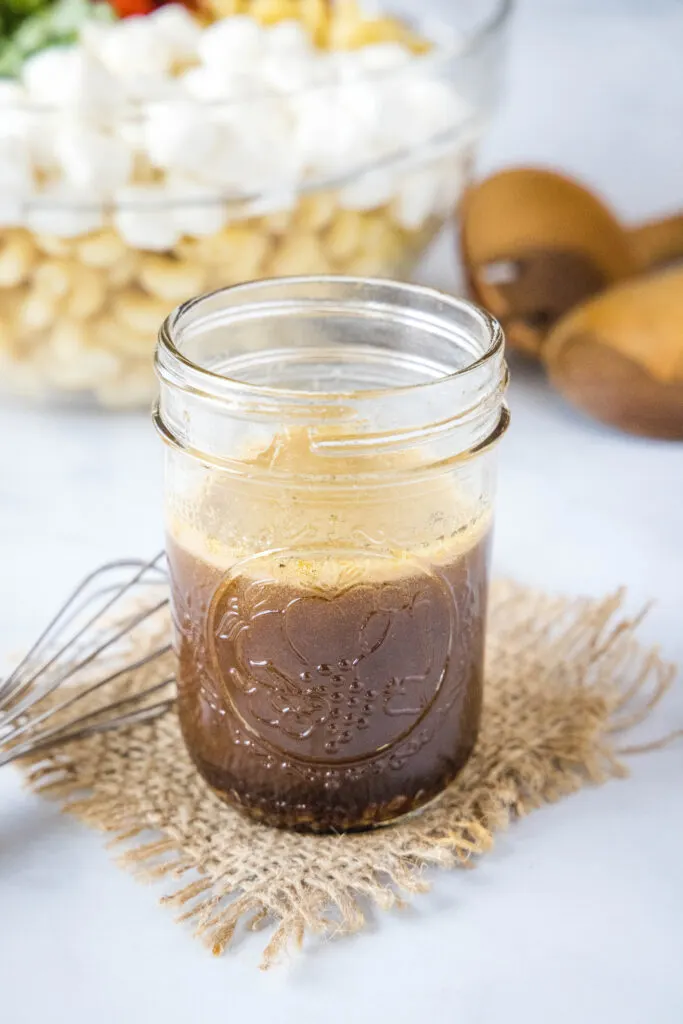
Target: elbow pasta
{"x":332,"y":24}
{"x":81,"y":315}
{"x":17,"y":256}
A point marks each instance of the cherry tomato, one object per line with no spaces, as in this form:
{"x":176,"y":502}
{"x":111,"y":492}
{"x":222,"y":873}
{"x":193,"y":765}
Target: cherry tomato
{"x":127,"y":8}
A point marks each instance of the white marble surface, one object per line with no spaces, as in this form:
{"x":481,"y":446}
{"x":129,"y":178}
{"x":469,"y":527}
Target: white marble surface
{"x":577,"y":916}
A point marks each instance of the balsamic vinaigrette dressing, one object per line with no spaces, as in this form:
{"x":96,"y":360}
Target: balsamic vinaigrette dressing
{"x":330,"y":689}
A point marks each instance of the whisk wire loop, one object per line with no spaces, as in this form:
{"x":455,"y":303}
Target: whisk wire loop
{"x":114,"y":624}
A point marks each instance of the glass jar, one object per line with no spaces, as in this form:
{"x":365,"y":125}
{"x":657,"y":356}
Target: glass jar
{"x":114,"y":209}
{"x":329,"y":490}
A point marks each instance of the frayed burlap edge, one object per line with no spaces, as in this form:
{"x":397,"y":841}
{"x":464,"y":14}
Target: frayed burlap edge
{"x":565,"y":681}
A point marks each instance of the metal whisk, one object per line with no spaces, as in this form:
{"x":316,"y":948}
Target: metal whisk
{"x":76,"y":680}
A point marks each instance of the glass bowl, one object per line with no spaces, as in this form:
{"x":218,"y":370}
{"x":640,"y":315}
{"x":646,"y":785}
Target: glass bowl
{"x":114,"y":210}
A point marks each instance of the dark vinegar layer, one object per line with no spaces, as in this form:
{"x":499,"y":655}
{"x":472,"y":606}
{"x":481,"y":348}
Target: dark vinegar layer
{"x":330,"y":707}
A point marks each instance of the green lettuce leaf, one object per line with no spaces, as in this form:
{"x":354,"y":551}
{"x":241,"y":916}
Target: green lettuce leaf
{"x":29,"y":26}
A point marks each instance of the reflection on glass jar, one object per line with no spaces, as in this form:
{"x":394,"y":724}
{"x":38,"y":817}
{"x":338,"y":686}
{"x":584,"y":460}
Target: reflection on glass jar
{"x":329,"y":488}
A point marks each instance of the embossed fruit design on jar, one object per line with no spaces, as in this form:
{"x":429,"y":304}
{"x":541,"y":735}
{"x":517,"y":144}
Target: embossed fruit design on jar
{"x":329,"y":489}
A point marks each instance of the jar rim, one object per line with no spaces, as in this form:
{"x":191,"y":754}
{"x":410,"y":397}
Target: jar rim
{"x":176,"y":368}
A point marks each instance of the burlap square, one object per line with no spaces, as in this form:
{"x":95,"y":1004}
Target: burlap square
{"x":564,"y":680}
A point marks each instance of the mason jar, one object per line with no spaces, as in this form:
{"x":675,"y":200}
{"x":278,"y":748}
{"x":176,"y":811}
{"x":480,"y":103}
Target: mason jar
{"x":329,"y":493}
